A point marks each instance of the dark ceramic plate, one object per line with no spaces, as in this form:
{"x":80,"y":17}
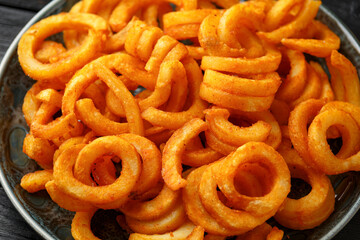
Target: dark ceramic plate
{"x":52,"y":222}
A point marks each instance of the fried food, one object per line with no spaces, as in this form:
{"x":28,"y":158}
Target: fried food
{"x":189,"y":118}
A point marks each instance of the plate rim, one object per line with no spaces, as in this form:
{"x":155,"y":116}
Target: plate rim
{"x":354,"y":41}
{"x":55,"y":4}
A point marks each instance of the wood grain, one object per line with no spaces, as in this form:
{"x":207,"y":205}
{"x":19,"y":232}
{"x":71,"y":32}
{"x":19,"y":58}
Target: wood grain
{"x":11,"y":22}
{"x":12,"y":225}
{"x":348,"y":11}
{"x":14,"y":14}
{"x":32,"y":5}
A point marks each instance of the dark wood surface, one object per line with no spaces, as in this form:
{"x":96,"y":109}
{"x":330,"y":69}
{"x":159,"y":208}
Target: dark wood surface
{"x":14,"y":14}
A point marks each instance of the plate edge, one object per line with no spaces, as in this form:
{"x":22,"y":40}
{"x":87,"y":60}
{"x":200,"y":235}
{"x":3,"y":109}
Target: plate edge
{"x":53,"y":5}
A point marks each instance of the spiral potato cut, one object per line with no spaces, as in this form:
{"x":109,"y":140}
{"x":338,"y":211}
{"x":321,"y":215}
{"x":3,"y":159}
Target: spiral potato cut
{"x":158,"y":135}
{"x":250,"y":158}
{"x":113,"y":104}
{"x":251,"y":181}
{"x":43,"y":124}
{"x":264,"y":64}
{"x":327,"y":92}
{"x":102,"y":8}
{"x":226,"y":52}
{"x":285,"y":29}
{"x":230,"y":34}
{"x":151,"y":166}
{"x":174,"y":118}
{"x":196,"y":211}
{"x":170,"y":221}
{"x":155,"y":49}
{"x":300,"y":117}
{"x":152,"y":46}
{"x":104,"y":171}
{"x":103,"y":68}
{"x":40,"y":150}
{"x":293,"y":85}
{"x":248,"y":14}
{"x":153,"y":14}
{"x":262,"y":232}
{"x":33,"y":38}
{"x":344,"y":78}
{"x":344,"y":116}
{"x":225,"y":137}
{"x":205,"y":4}
{"x":275,"y":234}
{"x":114,"y":41}
{"x":227,"y":221}
{"x":321,"y":45}
{"x":163,"y":203}
{"x":249,"y":94}
{"x":151,"y":162}
{"x":96,"y":92}
{"x":185,"y":24}
{"x":278,"y":12}
{"x":126,"y":9}
{"x":281,"y":111}
{"x":81,"y":225}
{"x":171,"y":76}
{"x":180,"y":233}
{"x":305,"y":113}
{"x":214,"y":237}
{"x":196,"y":234}
{"x":222,"y":4}
{"x":156,"y":10}
{"x":198,"y":155}
{"x":35,"y":181}
{"x":303,"y":80}
{"x":66,"y":201}
{"x":170,"y":89}
{"x":74,"y":38}
{"x":41,"y":102}
{"x":173,"y":151}
{"x":311,"y":210}
{"x":83,"y":157}
{"x":49,"y":52}
{"x":63,"y":199}
{"x":249,"y":45}
{"x":32,"y":101}
{"x":50,"y":96}
{"x":241,"y":220}
{"x":313,"y":89}
{"x":31,"y":104}
{"x":67,"y":144}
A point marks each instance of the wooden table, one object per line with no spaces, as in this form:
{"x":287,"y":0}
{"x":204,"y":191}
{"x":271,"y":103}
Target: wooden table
{"x":14,"y":14}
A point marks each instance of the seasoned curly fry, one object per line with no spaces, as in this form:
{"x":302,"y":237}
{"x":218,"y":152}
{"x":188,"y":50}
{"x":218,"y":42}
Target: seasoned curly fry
{"x":189,"y":117}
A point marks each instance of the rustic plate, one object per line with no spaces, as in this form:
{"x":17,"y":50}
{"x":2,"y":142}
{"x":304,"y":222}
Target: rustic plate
{"x":52,"y":222}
